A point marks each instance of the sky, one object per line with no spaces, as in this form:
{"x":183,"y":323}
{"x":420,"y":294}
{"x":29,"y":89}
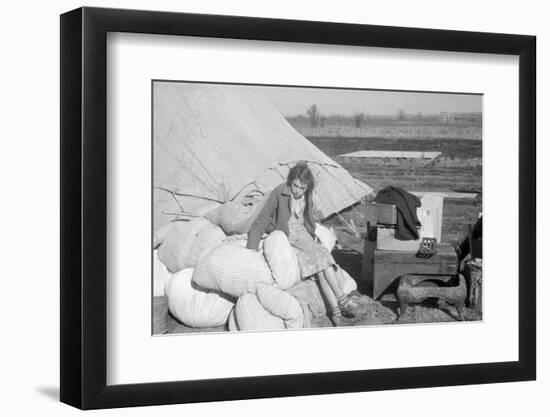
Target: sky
{"x":293,"y":101}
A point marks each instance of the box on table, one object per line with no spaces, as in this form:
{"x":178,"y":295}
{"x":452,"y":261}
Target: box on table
{"x":386,"y":240}
{"x":430,"y":216}
{"x":379,"y":213}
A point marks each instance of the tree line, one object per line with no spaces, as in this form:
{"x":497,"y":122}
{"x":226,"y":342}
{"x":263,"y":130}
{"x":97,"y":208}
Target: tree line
{"x":314,"y":118}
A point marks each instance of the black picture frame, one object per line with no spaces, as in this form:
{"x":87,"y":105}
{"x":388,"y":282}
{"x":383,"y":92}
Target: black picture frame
{"x":84,"y":207}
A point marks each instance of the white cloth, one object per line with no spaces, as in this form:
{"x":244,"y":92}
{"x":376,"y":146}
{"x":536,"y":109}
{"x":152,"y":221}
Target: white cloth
{"x":297,"y":206}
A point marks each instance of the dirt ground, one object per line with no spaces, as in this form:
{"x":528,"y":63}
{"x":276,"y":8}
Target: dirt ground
{"x":458,"y":168}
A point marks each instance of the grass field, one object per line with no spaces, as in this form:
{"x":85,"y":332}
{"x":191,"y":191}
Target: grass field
{"x":397,"y":130}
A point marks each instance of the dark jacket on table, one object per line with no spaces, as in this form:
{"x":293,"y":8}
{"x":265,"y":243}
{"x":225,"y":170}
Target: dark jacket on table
{"x":406,"y":204}
{"x":276,"y":214}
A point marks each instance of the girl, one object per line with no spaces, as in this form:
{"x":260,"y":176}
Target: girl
{"x":289,"y":209}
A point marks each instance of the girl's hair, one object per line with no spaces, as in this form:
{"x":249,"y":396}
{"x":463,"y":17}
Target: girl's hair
{"x":301,"y":172}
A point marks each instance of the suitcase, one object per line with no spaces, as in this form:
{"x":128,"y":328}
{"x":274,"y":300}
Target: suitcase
{"x":381,"y":268}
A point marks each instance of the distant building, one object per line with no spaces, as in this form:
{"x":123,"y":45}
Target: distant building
{"x":472,"y":117}
{"x":445,"y":116}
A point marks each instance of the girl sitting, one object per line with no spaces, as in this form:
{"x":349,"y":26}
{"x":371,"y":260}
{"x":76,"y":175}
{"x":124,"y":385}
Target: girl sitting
{"x":289,"y":209}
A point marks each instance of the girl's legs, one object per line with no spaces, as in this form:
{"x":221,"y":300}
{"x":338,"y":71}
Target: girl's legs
{"x":330,"y":277}
{"x":327,"y":292}
{"x":332,"y":301}
{"x":338,"y":301}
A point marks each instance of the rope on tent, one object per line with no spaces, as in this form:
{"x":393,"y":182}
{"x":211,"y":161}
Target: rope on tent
{"x":311,"y":162}
{"x":250,"y":193}
{"x":352,"y":226}
{"x":188,"y":195}
{"x":276,"y":170}
{"x":177,"y":201}
{"x":191,"y":216}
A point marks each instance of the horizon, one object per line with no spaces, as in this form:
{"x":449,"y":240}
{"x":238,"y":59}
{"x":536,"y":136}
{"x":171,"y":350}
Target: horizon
{"x":385,"y":115}
{"x":294,"y":101}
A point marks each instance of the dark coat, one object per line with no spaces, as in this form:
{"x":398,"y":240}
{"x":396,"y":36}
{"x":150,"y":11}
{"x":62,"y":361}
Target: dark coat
{"x":406,"y":204}
{"x":275,"y":216}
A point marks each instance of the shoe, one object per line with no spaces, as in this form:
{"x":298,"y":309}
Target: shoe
{"x":339,"y":321}
{"x":350,"y":305}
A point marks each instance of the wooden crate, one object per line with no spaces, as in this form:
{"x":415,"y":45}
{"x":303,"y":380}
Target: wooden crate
{"x":380,"y":268}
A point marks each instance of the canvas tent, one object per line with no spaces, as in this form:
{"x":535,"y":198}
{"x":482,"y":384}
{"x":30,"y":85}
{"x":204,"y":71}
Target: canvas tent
{"x":216,"y":143}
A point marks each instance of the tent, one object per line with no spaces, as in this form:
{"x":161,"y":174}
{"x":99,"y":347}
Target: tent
{"x":217,"y":143}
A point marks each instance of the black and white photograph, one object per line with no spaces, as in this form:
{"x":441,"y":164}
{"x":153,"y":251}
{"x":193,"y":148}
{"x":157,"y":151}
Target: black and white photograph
{"x":244,"y":208}
{"x":286,"y":207}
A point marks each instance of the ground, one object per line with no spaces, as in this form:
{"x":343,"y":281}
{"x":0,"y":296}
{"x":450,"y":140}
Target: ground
{"x":458,"y":167}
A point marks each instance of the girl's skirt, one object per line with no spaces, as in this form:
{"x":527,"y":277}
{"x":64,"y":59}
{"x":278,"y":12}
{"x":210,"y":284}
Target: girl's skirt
{"x":312,"y":256}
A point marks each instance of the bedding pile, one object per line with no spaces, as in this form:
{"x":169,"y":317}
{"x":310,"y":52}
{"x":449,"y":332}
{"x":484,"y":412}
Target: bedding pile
{"x":210,"y":278}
